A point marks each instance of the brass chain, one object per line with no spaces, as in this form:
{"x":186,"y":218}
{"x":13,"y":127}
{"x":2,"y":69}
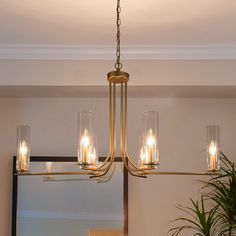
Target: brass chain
{"x":118,"y":64}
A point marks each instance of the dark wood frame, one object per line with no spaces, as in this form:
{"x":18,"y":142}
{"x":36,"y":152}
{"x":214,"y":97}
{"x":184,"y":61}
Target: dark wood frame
{"x":63,"y":159}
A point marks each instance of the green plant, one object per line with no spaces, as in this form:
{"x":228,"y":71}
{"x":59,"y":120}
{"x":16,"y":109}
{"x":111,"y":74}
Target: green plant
{"x":222,"y":191}
{"x":202,"y":222}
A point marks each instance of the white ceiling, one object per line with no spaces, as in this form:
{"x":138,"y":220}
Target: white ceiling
{"x":93,"y":22}
{"x":166,"y":42}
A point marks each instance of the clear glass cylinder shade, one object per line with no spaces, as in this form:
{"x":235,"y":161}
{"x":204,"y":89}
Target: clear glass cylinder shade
{"x":213,"y":147}
{"x":149,"y":152}
{"x":48,"y":170}
{"x":23,"y":148}
{"x":87,"y":148}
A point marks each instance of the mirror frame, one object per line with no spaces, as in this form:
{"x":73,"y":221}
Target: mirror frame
{"x":63,"y":159}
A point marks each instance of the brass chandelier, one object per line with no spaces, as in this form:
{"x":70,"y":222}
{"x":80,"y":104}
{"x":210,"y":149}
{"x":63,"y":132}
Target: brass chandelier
{"x":87,"y":146}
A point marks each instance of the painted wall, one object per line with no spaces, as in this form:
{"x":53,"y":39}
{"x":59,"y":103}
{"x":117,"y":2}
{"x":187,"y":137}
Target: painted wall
{"x":152,"y":202}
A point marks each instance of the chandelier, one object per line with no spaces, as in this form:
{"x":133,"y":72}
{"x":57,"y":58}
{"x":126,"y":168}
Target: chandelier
{"x":87,"y":146}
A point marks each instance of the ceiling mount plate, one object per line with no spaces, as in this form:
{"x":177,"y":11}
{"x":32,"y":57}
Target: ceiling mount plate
{"x":118,"y":77}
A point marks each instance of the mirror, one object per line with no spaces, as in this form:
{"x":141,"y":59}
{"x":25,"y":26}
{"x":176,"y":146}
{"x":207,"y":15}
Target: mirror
{"x":68,"y":205}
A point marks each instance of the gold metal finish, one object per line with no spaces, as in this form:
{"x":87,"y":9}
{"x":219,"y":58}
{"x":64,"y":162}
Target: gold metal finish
{"x":53,"y":173}
{"x":181,"y":173}
{"x":144,"y":173}
{"x":66,"y":180}
{"x":118,"y":64}
{"x":118,"y":77}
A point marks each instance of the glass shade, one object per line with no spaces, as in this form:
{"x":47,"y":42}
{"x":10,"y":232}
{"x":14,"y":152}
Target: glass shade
{"x":48,"y":167}
{"x":49,"y":170}
{"x":149,"y":152}
{"x":213,"y":147}
{"x":23,"y":148}
{"x":87,"y":150}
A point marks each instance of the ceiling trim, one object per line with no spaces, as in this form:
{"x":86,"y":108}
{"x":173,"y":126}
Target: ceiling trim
{"x":107,"y":52}
{"x":194,"y":91}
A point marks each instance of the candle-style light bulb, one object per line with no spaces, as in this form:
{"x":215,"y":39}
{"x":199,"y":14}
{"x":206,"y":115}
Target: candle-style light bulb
{"x":23,"y":148}
{"x":87,"y":149}
{"x":213,"y":145}
{"x":149,"y":153}
{"x":92,"y":155}
{"x":85,"y":139}
{"x":23,"y":154}
{"x":150,"y":138}
{"x":85,"y":142}
{"x":151,"y":143}
{"x":213,"y":156}
{"x":143,"y":155}
{"x":212,"y":149}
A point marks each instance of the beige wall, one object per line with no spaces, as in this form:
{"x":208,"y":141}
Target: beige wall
{"x":182,"y":140}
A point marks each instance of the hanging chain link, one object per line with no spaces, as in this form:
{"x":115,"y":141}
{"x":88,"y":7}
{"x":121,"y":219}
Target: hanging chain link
{"x":118,"y":64}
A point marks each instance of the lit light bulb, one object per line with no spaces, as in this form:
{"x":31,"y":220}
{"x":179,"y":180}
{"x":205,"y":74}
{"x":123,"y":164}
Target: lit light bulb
{"x":23,"y":148}
{"x":92,"y":155}
{"x":213,"y":156}
{"x":143,"y":155}
{"x":212,"y":149}
{"x":23,"y":159}
{"x":148,"y":151}
{"x":87,"y":147}
{"x":150,"y":138}
{"x":85,"y":139}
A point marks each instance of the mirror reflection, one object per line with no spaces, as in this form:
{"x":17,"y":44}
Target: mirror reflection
{"x":68,"y":205}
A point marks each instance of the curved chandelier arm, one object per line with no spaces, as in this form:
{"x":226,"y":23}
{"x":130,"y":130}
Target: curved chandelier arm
{"x":135,"y":167}
{"x":182,"y":173}
{"x":137,"y":174}
{"x":125,"y":131}
{"x":121,"y":78}
{"x":123,"y":137}
{"x":105,"y":171}
{"x":111,"y":141}
{"x":100,"y":174}
{"x":107,"y":178}
{"x":54,"y":173}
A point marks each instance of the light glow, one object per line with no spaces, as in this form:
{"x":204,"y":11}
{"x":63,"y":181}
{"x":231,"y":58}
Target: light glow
{"x":151,"y":141}
{"x":87,"y":150}
{"x":213,"y":156}
{"x":144,"y":155}
{"x":23,"y":148}
{"x":212,"y":148}
{"x":23,"y":151}
{"x":85,"y":139}
{"x":149,"y":152}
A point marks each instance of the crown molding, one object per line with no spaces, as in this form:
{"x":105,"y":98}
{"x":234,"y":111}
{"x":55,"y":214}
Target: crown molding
{"x":106,"y":52}
{"x":160,"y":91}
